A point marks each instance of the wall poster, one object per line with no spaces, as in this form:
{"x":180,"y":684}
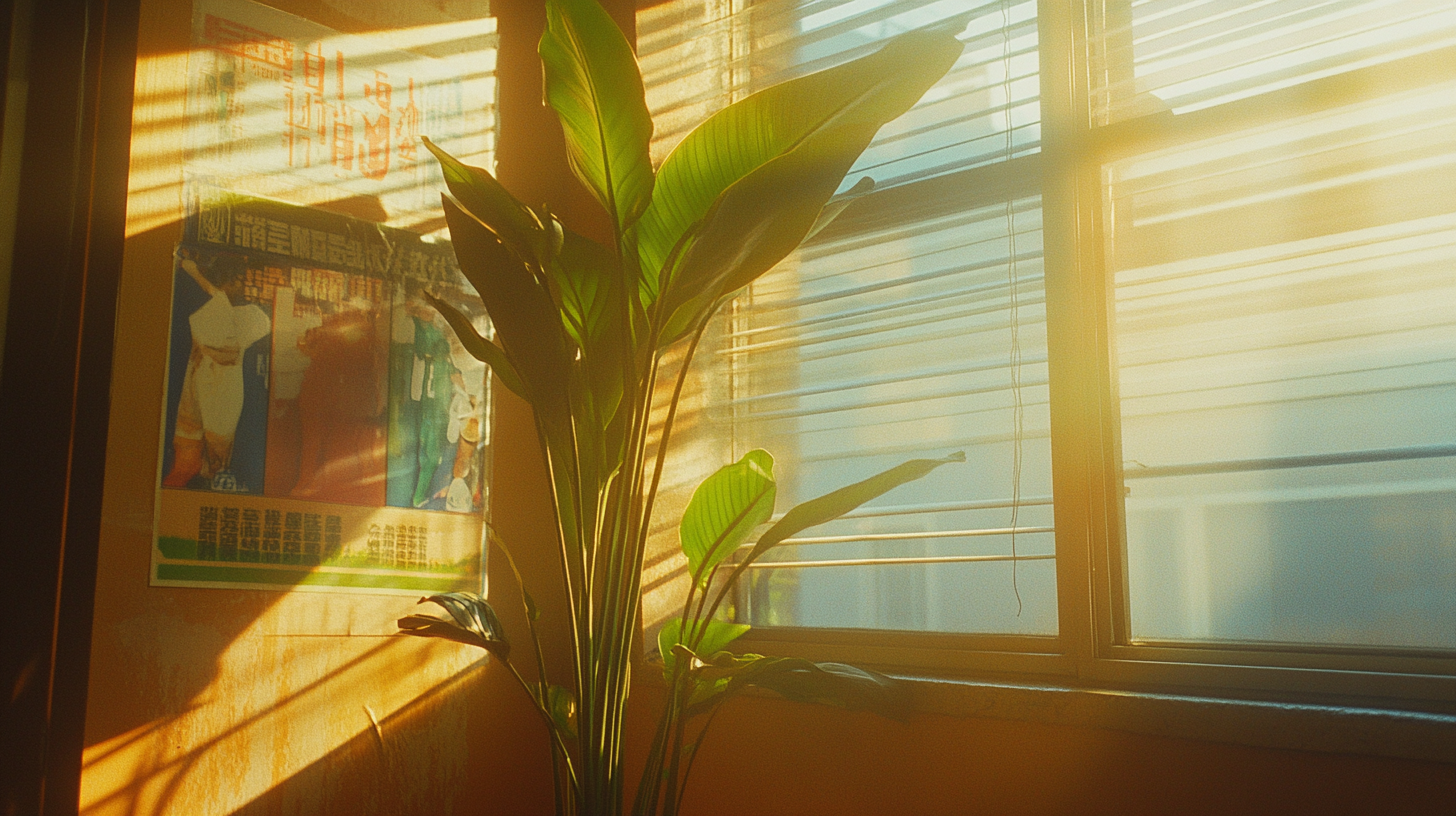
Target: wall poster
{"x":323,"y":427}
{"x":282,"y":107}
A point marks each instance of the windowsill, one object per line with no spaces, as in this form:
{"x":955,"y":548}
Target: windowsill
{"x":1288,"y":726}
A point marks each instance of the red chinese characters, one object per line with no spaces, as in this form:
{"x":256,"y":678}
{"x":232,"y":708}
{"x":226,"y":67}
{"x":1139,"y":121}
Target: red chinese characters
{"x":374,"y":153}
{"x":249,"y":43}
{"x":341,"y":153}
{"x":330,"y":116}
{"x":306,"y":127}
{"x":407,"y":132}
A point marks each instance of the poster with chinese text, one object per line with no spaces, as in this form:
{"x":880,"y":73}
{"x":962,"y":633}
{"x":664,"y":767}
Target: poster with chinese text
{"x":282,"y":107}
{"x":323,"y":428}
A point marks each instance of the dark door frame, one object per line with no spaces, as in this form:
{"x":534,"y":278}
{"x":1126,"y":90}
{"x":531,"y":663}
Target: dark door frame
{"x":69,"y":228}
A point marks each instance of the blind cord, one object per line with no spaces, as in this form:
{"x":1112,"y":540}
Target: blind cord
{"x":1017,"y":407}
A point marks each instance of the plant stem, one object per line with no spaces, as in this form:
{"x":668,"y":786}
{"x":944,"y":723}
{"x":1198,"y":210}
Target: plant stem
{"x":652,"y":775}
{"x":693,"y":755}
{"x":698,"y":615}
{"x":728,"y":584}
{"x":623,"y":589}
{"x":675,"y":748}
{"x":573,"y":619}
{"x":671,"y":416}
{"x":650,"y":788}
{"x":543,"y":684}
{"x":546,"y":717}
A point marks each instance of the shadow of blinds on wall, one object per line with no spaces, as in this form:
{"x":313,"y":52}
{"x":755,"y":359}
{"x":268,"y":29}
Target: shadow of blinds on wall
{"x":1284,"y":266}
{"x":891,"y":335}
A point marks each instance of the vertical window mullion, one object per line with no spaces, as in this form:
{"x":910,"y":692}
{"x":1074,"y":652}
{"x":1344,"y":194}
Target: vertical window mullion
{"x":1082,"y":421}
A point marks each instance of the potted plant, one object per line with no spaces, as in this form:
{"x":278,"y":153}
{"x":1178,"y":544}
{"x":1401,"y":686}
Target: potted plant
{"x":580,"y":330}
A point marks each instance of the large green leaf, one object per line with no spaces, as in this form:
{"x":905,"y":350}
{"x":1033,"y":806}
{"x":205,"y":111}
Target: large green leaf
{"x":587,"y":279}
{"x":587,"y":274}
{"x":484,"y":197}
{"x":860,"y":96}
{"x":472,"y":621}
{"x":724,"y":509}
{"x":757,"y":221}
{"x":715,"y":636}
{"x":592,"y":81}
{"x":693,"y":303}
{"x":836,"y":503}
{"x":525,"y":318}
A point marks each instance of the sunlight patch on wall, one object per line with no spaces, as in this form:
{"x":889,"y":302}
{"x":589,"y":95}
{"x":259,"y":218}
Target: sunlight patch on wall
{"x":270,"y":104}
{"x":250,"y":729}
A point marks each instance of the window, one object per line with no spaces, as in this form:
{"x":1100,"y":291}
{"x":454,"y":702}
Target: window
{"x":1180,"y":278}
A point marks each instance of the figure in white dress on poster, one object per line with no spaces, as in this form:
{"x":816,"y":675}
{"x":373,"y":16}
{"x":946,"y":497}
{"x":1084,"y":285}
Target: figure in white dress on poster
{"x":212,"y":388}
{"x":467,"y":410}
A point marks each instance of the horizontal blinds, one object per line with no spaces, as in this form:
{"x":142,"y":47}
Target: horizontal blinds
{"x":1183,"y":55}
{"x":873,"y":348}
{"x":693,"y":55}
{"x":894,"y":329}
{"x":1286,"y":347}
{"x":865,"y":349}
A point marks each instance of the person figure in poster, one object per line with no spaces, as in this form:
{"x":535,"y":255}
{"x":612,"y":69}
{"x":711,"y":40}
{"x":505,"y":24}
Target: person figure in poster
{"x":340,"y":403}
{"x":421,"y":394}
{"x":212,"y":389}
{"x":430,"y":386}
{"x":467,"y":404}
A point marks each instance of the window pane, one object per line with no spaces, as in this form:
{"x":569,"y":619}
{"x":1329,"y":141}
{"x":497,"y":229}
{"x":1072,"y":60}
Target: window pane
{"x":894,"y":341}
{"x":1286,"y":341}
{"x":862,"y":352}
{"x":1183,"y":55}
{"x":985,"y":108}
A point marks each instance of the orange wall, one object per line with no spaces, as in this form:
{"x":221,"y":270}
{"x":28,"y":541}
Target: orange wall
{"x":775,"y":757}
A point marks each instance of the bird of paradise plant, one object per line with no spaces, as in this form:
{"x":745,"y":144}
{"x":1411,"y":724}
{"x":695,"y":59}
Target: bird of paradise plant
{"x":581,"y":328}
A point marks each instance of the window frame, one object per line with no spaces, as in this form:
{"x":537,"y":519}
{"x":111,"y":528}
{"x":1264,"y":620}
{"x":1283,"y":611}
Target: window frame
{"x":1093,"y":647}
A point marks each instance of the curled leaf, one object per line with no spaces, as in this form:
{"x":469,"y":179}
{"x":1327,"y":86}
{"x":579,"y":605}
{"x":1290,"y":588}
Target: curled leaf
{"x":795,"y":678}
{"x":715,"y":635}
{"x":472,"y":621}
{"x":839,"y":685}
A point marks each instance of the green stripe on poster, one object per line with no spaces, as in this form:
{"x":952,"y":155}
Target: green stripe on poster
{"x":181,"y":549}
